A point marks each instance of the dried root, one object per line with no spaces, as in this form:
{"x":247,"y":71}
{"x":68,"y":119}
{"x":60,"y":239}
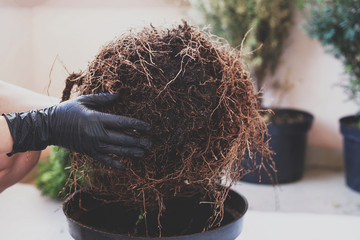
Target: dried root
{"x":195,"y":92}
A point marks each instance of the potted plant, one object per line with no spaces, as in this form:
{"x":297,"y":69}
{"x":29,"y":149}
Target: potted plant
{"x":260,"y":29}
{"x":199,"y":99}
{"x":336,"y":25}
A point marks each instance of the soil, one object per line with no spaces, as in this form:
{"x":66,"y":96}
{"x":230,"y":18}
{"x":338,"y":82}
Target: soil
{"x":183,"y":216}
{"x":281,"y":117}
{"x":195,"y":92}
{"x":353,"y":122}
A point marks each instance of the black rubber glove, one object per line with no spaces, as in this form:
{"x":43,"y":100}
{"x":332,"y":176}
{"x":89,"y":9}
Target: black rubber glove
{"x":74,"y":124}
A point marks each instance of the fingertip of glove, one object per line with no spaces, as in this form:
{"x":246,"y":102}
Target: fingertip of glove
{"x":138,"y":153}
{"x":147,"y":127}
{"x":144,"y":126}
{"x":109,"y":161}
{"x":117,"y":164}
{"x":103,"y":98}
{"x":145,"y":143}
{"x":113,"y":96}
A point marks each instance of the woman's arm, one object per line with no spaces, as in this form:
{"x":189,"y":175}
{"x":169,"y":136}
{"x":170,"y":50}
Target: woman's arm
{"x":6,"y":141}
{"x":74,"y":124}
{"x":17,"y":99}
{"x":13,"y":169}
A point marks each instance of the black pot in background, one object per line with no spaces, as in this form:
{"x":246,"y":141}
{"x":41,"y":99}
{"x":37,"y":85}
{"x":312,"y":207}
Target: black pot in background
{"x":351,"y":136}
{"x":80,"y":220}
{"x":288,"y":141}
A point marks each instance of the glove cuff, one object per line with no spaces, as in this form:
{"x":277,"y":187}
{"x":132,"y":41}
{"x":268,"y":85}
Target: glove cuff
{"x":30,"y":130}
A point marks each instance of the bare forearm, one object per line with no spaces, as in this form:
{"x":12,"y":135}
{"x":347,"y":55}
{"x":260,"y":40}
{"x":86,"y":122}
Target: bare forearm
{"x":17,"y":99}
{"x":6,"y":141}
{"x":13,"y":169}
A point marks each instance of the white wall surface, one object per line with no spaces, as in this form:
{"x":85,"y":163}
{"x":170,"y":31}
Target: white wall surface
{"x":35,"y":32}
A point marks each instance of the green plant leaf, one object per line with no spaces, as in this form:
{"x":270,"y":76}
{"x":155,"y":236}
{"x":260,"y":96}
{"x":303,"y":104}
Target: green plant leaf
{"x":52,"y":175}
{"x":336,"y":24}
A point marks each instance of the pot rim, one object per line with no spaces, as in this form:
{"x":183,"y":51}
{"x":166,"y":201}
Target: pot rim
{"x":346,"y":128}
{"x":308,"y":116}
{"x":189,"y":236}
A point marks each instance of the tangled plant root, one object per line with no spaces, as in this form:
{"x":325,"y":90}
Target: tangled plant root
{"x":195,"y":92}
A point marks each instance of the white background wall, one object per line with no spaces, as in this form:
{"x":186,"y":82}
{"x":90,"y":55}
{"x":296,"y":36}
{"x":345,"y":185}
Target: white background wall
{"x":32,"y":37}
{"x":35,"y":32}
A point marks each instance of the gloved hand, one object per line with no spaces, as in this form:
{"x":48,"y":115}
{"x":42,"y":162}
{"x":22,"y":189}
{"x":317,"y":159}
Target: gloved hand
{"x":74,"y":124}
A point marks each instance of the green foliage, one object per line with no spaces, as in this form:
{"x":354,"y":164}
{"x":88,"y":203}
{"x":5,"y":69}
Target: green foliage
{"x":52,"y":175}
{"x":336,"y":24}
{"x":267,"y":23}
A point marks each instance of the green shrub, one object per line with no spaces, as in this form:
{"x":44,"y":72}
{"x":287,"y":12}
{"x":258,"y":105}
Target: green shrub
{"x":52,"y":175}
{"x":266,"y":22}
{"x":336,"y":24}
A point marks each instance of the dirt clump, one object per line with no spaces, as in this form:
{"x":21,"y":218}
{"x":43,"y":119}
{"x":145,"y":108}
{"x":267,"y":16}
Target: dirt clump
{"x":195,"y":92}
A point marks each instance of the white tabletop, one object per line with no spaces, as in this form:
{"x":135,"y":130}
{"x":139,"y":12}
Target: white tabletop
{"x":26,"y":215}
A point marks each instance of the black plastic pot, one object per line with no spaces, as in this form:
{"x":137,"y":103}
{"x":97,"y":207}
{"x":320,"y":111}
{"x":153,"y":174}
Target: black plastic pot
{"x":351,"y":136}
{"x":81,"y":227}
{"x":288,"y":141}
